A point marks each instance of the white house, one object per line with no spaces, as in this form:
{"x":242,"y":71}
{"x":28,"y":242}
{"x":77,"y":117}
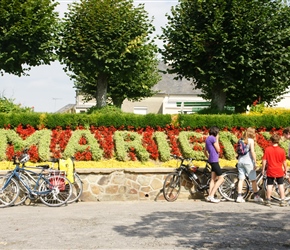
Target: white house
{"x":173,"y":97}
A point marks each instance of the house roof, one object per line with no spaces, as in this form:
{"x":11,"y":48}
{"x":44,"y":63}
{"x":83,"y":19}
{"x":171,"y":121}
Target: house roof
{"x":169,"y":86}
{"x":67,"y":108}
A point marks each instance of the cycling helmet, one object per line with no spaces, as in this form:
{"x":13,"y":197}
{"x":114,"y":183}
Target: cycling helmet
{"x":24,"y":158}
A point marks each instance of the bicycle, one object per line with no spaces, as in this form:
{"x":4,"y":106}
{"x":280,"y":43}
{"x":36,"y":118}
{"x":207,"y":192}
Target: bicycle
{"x":199,"y":180}
{"x":50,"y":187}
{"x":9,"y":191}
{"x":76,"y":181}
{"x":228,"y":189}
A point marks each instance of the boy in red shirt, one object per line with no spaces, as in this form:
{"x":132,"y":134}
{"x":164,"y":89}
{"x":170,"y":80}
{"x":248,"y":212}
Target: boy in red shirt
{"x":275,"y":159}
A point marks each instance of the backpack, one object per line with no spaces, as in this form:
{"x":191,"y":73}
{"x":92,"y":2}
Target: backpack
{"x":242,"y":148}
{"x":67,"y":166}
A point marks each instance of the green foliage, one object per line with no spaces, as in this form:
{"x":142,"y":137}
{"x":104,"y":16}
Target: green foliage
{"x":109,"y":109}
{"x":237,"y":120}
{"x":92,"y":145}
{"x":106,"y":46}
{"x":14,"y":120}
{"x":126,"y":141}
{"x":116,"y":120}
{"x":228,"y":140}
{"x":163,"y":147}
{"x":40,"y":138}
{"x":7,"y":105}
{"x":186,"y":148}
{"x":258,"y":108}
{"x":236,"y":51}
{"x":129,"y":120}
{"x":152,"y":120}
{"x":214,"y":111}
{"x":27,"y":34}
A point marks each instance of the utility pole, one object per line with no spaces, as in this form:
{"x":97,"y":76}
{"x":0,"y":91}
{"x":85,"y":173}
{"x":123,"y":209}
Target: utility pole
{"x":55,"y":99}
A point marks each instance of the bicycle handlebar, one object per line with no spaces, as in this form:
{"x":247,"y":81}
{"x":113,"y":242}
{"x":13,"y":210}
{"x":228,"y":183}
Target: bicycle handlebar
{"x":181,"y":158}
{"x":54,"y":160}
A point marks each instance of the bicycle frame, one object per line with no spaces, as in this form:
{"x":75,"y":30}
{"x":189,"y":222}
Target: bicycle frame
{"x":9,"y":177}
{"x":259,"y":180}
{"x":40,"y":177}
{"x":172,"y":182}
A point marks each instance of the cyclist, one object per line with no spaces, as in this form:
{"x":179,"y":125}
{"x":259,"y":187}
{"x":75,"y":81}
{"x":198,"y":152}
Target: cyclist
{"x":211,"y":151}
{"x":275,"y":158}
{"x":247,"y":165}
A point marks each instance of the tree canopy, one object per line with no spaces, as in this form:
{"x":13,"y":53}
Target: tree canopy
{"x":27,"y":32}
{"x":235,"y":51}
{"x":105,"y":46}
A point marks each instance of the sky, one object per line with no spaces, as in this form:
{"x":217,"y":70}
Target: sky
{"x":48,"y":88}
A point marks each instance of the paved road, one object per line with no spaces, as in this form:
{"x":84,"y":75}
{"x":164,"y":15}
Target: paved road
{"x":146,"y":225}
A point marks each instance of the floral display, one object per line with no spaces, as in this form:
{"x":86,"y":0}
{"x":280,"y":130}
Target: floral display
{"x":123,"y":144}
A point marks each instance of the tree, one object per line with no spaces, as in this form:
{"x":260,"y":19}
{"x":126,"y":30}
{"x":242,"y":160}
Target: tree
{"x":27,"y":31}
{"x":106,"y":46}
{"x":7,"y":105}
{"x":236,"y":51}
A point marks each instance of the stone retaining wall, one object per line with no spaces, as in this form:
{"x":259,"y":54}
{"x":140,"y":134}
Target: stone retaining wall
{"x":128,"y":184}
{"x":125,"y":184}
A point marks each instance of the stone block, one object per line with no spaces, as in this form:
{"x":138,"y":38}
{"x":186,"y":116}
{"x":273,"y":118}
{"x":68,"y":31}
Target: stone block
{"x":104,"y":180}
{"x":112,"y":189}
{"x":95,"y":189}
{"x":143,"y":180}
{"x":156,"y":184}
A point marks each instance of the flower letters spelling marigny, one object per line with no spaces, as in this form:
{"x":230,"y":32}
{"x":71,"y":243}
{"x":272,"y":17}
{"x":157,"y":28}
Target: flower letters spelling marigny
{"x":190,"y":144}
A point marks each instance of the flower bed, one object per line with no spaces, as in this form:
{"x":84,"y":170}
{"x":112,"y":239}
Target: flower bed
{"x":124,"y":145}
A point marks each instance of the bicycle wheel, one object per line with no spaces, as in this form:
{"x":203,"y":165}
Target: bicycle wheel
{"x":228,"y":189}
{"x":77,"y":189}
{"x":23,"y":193}
{"x":171,"y":187}
{"x":275,"y":190}
{"x":55,"y":191}
{"x":10,"y":192}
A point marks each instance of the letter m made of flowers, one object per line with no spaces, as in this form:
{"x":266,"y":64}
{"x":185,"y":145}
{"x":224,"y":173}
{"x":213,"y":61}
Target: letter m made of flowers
{"x":40,"y":138}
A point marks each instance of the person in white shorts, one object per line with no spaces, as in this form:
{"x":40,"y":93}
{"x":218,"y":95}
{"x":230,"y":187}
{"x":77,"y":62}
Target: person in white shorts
{"x":247,"y":165}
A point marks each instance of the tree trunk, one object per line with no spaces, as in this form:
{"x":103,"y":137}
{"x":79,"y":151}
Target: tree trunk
{"x":101,"y":90}
{"x":117,"y":101}
{"x":218,"y":99}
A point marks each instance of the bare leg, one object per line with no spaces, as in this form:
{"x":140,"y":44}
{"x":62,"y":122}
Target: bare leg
{"x":282,"y":192}
{"x":216,"y":185}
{"x":212,"y":182}
{"x":240,"y":186}
{"x":269,"y":191}
{"x":254,"y":185}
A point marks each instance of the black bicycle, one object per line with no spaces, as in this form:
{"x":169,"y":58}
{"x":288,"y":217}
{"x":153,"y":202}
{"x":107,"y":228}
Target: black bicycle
{"x":228,"y":189}
{"x":186,"y":175}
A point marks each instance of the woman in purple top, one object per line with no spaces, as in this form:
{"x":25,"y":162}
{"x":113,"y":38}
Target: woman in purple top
{"x":211,"y":151}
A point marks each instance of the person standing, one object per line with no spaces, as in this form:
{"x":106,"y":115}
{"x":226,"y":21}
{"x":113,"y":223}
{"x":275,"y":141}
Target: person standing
{"x":247,"y":165}
{"x":275,"y":160}
{"x":211,"y":151}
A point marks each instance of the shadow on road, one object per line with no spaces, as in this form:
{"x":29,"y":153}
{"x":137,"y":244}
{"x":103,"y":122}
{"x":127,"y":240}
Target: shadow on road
{"x":207,"y":229}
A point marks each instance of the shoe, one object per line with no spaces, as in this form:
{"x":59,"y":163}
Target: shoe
{"x":214,"y":200}
{"x":267,"y":203}
{"x":257,"y":198}
{"x":240,"y":199}
{"x":283,"y":203}
{"x":207,"y":198}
